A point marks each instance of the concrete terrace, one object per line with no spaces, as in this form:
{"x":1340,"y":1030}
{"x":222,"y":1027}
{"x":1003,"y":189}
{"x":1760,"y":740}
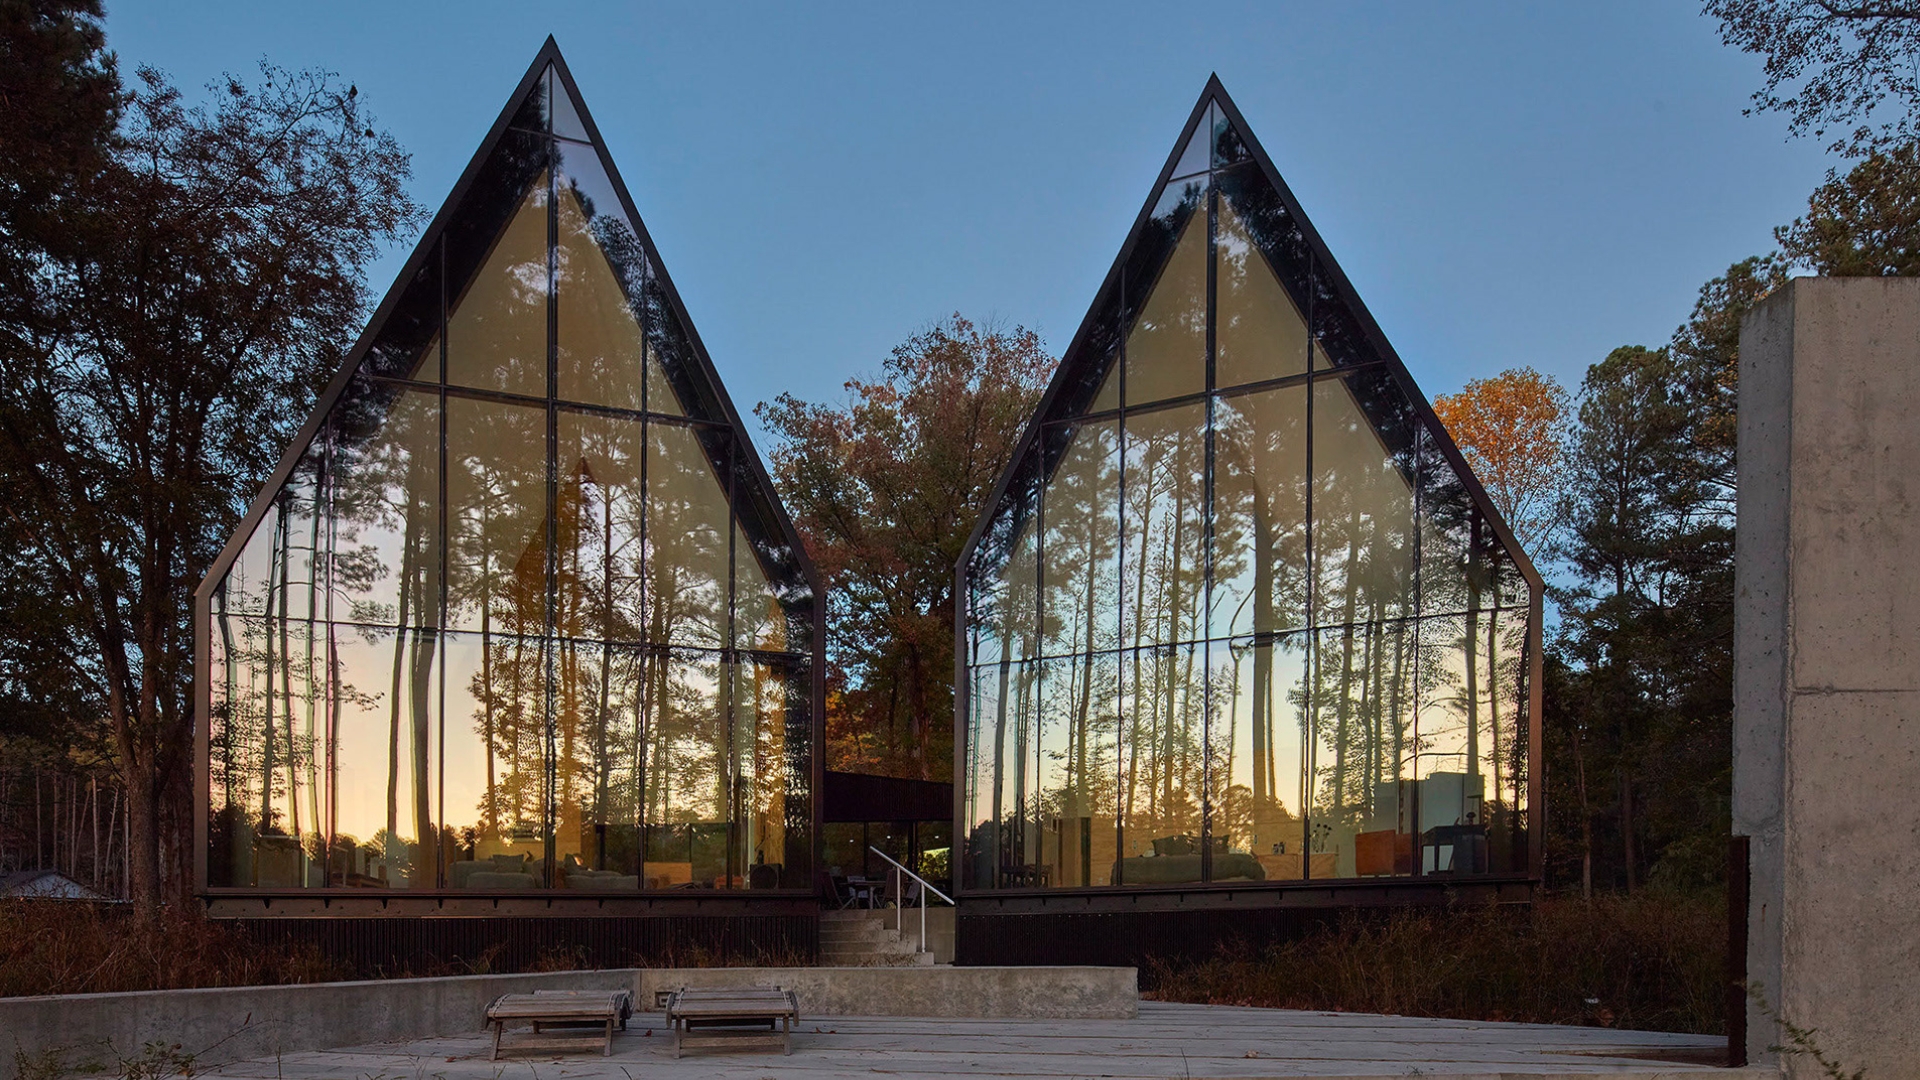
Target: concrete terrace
{"x":1167,"y":1040}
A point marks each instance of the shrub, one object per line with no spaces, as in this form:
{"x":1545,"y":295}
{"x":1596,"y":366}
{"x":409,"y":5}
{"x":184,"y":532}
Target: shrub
{"x":66,"y":947}
{"x":1652,"y":960}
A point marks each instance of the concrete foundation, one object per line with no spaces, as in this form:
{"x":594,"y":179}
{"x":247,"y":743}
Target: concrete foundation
{"x":1040,"y":993}
{"x":93,"y":1032}
{"x":1827,"y":677}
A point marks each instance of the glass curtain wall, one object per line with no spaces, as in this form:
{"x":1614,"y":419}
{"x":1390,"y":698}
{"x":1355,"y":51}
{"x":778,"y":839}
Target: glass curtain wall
{"x":1237,"y":618}
{"x":523,"y":616}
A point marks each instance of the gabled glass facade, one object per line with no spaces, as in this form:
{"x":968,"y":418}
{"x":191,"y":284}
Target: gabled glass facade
{"x":521,"y":611}
{"x":1238,"y":615}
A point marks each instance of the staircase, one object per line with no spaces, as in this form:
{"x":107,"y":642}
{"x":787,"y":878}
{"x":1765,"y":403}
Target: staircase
{"x":859,"y":938}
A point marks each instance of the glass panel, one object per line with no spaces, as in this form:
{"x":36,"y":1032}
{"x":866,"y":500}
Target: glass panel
{"x":1228,"y":147}
{"x":773,"y":600}
{"x":566,"y":119}
{"x":1003,"y":845}
{"x":979,"y":821}
{"x":1099,"y":381}
{"x":268,"y":789}
{"x":1354,"y":743}
{"x":798,"y":719}
{"x":759,"y":618}
{"x":1260,"y":512}
{"x":670,"y":347}
{"x":385,"y":751}
{"x":1510,"y":584}
{"x":1079,"y":736}
{"x":688,"y":527}
{"x":1454,"y":575}
{"x":497,"y":517}
{"x":1164,"y":592}
{"x":1162,"y":764}
{"x":892,"y":837}
{"x":689,"y":784}
{"x":409,"y":343}
{"x":933,"y":841}
{"x":532,"y":113}
{"x":1255,"y":776}
{"x":845,"y":844}
{"x":1362,"y":513}
{"x":1270,"y":227}
{"x":599,"y":520}
{"x":232,"y":758}
{"x":599,"y":265}
{"x":774,"y":821}
{"x":497,"y":329}
{"x":1193,"y":157}
{"x":275,"y":573}
{"x":1003,"y":610}
{"x":385,"y":527}
{"x":1258,"y":333}
{"x":494,"y":792}
{"x":1080,"y":571}
{"x":1363,"y":747}
{"x":598,"y":725}
{"x":1166,"y":353}
{"x":1504,"y":749}
{"x":1451,"y":779}
{"x":1339,"y":339}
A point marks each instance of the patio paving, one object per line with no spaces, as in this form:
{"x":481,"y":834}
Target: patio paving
{"x":1167,"y":1040}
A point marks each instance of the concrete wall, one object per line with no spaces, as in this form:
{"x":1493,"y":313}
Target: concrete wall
{"x":255,"y":1022}
{"x":1826,"y":743}
{"x":1054,"y":993}
{"x":940,"y":929}
{"x":250,"y":1022}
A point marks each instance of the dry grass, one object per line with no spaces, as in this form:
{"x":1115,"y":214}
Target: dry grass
{"x":63,"y":947}
{"x":1652,"y":961}
{"x":60,"y":947}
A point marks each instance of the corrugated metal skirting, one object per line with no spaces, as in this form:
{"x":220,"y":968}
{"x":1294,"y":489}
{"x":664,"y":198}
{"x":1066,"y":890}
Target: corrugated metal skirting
{"x":377,"y":947}
{"x":1129,"y":939}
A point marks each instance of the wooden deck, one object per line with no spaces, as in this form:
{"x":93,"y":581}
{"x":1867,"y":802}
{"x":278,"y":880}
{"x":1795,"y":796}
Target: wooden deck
{"x":1165,"y":1041}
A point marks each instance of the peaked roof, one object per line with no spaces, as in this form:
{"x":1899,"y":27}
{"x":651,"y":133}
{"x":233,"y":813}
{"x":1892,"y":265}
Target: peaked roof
{"x":1344,"y":316}
{"x":45,"y":885}
{"x":569,"y":119}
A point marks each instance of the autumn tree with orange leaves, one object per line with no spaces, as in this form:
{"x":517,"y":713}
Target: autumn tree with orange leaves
{"x":885,"y":489}
{"x":1509,"y":428}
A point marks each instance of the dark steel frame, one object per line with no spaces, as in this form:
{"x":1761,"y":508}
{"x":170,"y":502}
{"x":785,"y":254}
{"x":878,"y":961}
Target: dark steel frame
{"x":346,"y":901}
{"x":1240,"y":893}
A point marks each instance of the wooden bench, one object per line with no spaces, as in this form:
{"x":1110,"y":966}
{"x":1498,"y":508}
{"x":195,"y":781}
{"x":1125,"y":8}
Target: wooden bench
{"x":600,"y":1009}
{"x":731,"y":1017}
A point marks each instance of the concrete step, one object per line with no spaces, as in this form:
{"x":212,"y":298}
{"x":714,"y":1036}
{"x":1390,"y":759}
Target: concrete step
{"x":878,"y":960}
{"x":859,"y":940}
{"x":866,"y":947}
{"x":857,"y":932}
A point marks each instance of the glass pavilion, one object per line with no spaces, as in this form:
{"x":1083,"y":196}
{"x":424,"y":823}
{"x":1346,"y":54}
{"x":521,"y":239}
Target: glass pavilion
{"x":1239,"y":614}
{"x":520,"y":610}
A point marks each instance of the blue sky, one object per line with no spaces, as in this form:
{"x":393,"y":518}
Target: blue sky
{"x":1505,"y":184}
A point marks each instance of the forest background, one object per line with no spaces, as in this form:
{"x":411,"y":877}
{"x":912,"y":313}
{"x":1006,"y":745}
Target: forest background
{"x":177,"y":279}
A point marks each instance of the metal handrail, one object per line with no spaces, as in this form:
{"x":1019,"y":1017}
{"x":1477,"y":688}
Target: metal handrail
{"x":925,"y":888}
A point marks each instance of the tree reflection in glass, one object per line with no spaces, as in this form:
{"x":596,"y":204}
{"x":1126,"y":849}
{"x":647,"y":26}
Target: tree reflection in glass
{"x":1274,"y":603}
{"x":503,"y":627}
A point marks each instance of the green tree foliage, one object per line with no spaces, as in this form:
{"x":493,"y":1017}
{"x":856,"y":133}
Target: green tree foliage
{"x":1835,"y":69}
{"x":1863,"y":224}
{"x":885,"y":490}
{"x":1639,"y":682}
{"x":171,"y":316}
{"x":1706,"y":356}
